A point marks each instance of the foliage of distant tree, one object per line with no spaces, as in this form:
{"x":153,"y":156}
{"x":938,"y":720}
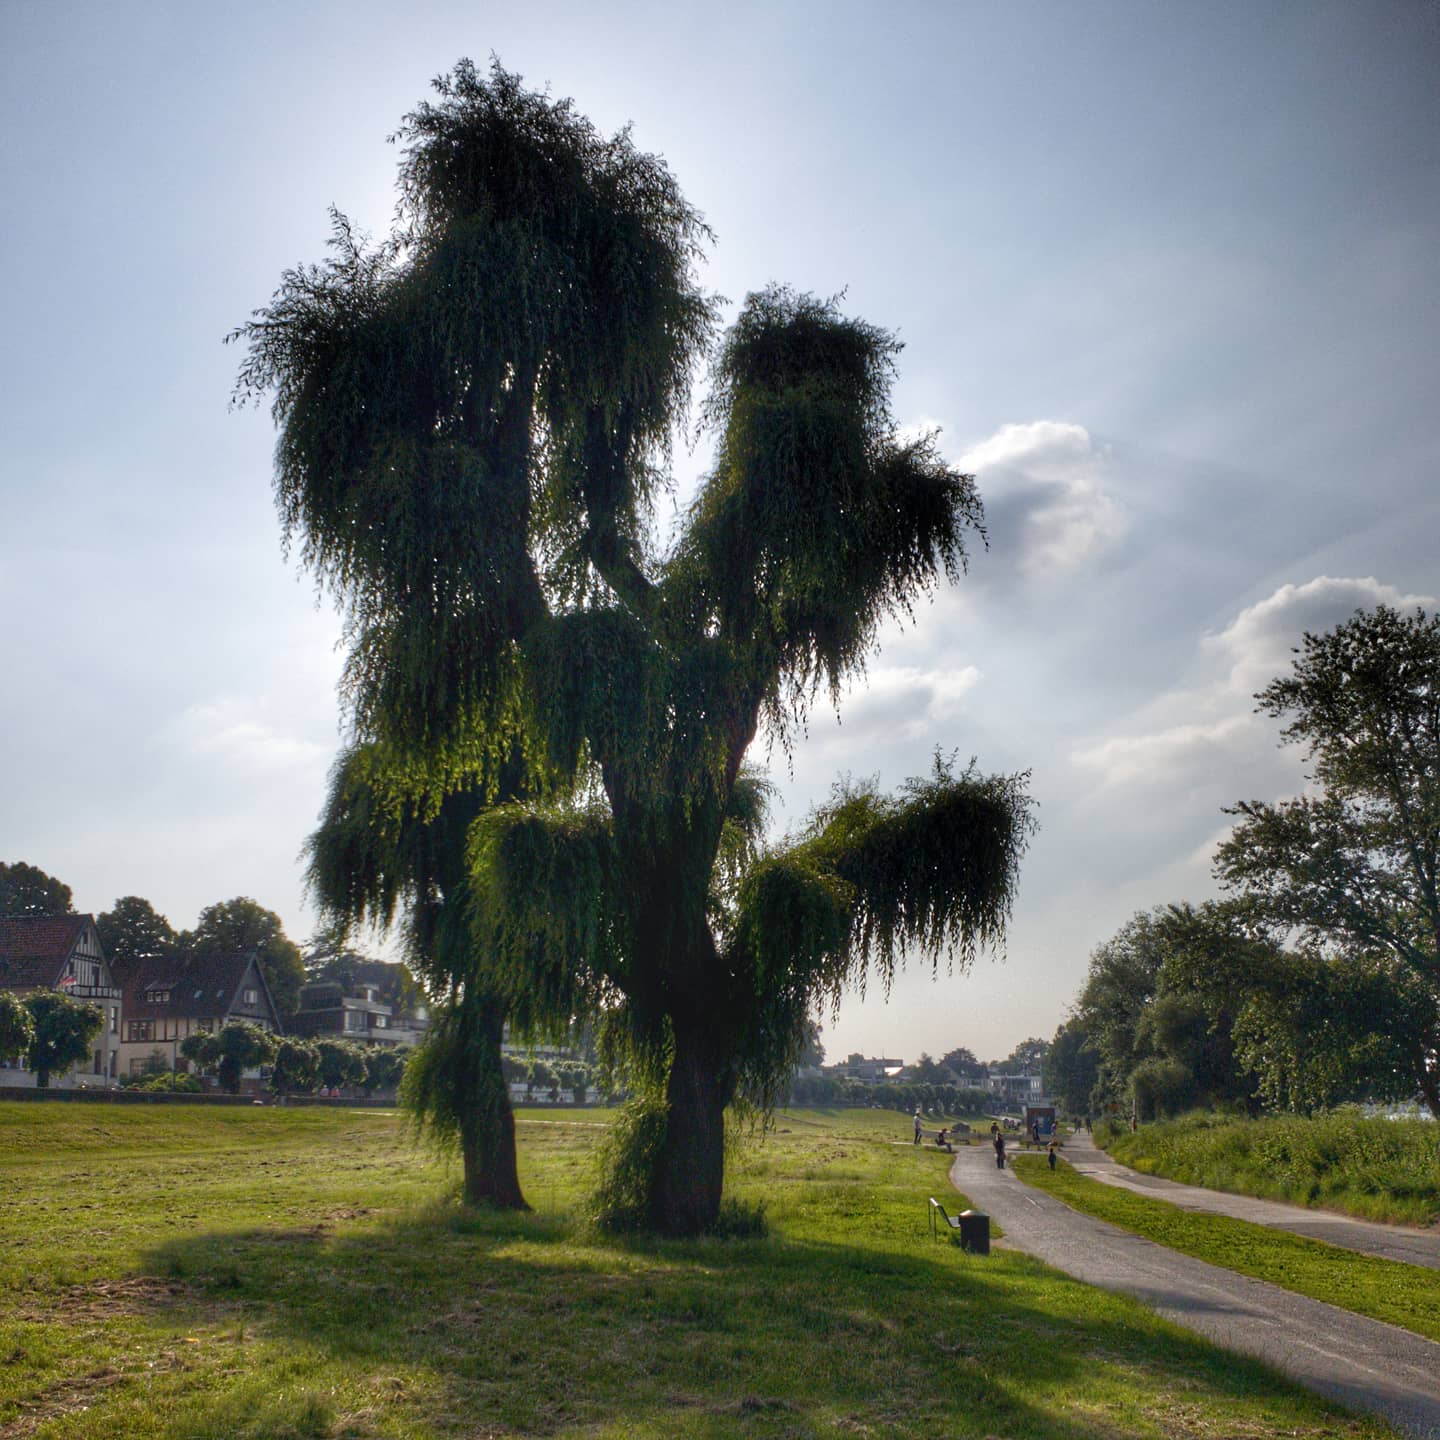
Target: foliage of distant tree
{"x":17,"y":1028}
{"x":341,"y":1064}
{"x":1355,"y":867}
{"x":26,"y":890}
{"x":64,"y":1030}
{"x":927,"y":1071}
{"x":328,"y":957}
{"x":1026,"y":1058}
{"x":1121,"y":984}
{"x":1322,"y":1031}
{"x":961,"y":1063}
{"x":1070,"y":1068}
{"x":384,"y":1067}
{"x":1158,"y":1010}
{"x":295,"y":1067}
{"x":243,"y":925}
{"x":132,"y":929}
{"x":812,"y":1052}
{"x":824,"y":1091}
{"x":233,"y":1049}
{"x":475,"y":419}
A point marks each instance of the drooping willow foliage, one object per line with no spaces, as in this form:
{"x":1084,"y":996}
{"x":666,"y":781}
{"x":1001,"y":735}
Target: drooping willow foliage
{"x":391,"y":856}
{"x":475,"y":419}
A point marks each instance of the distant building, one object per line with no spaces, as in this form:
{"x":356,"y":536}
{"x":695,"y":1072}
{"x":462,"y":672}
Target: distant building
{"x":874,"y":1071}
{"x":63,"y":953}
{"x":1016,"y":1089}
{"x":330,"y":1010}
{"x":169,"y":998}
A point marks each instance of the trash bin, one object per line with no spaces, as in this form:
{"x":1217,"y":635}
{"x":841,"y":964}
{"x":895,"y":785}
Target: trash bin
{"x":975,"y":1232}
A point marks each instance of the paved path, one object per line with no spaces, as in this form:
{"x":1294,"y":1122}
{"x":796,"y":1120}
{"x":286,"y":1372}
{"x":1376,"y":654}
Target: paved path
{"x":1390,"y":1242}
{"x":1362,"y":1363}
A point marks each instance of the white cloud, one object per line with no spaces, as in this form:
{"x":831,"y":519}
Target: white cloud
{"x":1042,"y":486}
{"x":1256,"y":645}
{"x":903,"y":703}
{"x":228,"y":730}
{"x":1169,"y":755}
{"x":1204,"y":739}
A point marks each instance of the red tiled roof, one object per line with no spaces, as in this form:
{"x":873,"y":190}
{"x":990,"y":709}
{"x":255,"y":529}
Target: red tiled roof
{"x":34,"y":948}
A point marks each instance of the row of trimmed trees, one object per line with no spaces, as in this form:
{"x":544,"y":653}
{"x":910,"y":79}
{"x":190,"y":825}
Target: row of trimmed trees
{"x":548,"y":794}
{"x":298,"y":1065}
{"x":1317,"y":981}
{"x":835,"y":1090}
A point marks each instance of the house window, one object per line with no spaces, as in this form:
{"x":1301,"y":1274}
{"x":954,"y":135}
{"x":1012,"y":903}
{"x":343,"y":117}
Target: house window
{"x":139,"y":1030}
{"x":158,"y":997}
{"x":252,"y":997}
{"x":114,"y":1019}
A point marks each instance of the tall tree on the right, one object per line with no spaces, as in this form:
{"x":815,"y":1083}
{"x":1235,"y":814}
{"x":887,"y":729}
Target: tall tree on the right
{"x":1356,"y":866}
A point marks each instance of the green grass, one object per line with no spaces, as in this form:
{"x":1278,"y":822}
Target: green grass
{"x":1374,"y":1168}
{"x":257,"y":1275}
{"x":1389,"y":1290}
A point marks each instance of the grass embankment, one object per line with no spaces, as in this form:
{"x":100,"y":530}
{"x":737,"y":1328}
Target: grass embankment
{"x":1404,"y":1295}
{"x":1376,"y":1169}
{"x":257,"y":1275}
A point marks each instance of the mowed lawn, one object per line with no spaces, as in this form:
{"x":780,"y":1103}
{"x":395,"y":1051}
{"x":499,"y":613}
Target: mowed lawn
{"x":188,"y":1272}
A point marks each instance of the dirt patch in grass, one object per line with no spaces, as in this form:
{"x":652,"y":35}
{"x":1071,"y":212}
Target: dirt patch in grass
{"x":64,"y":1397}
{"x":109,"y":1299}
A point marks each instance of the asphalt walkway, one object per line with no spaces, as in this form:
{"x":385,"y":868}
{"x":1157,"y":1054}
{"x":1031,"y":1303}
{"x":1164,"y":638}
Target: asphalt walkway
{"x":1359,"y":1362}
{"x":1390,"y":1242}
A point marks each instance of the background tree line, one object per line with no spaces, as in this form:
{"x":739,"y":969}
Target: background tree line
{"x":132,"y":929}
{"x":1317,"y":981}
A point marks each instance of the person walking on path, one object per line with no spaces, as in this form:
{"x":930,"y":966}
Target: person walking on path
{"x":999,"y":1150}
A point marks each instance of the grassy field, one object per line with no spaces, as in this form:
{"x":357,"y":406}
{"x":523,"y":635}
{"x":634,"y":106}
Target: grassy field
{"x":270,"y":1275}
{"x":1377,"y":1169}
{"x":1404,"y":1295}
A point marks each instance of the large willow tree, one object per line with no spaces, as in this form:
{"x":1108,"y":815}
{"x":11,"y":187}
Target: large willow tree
{"x":474,"y":420}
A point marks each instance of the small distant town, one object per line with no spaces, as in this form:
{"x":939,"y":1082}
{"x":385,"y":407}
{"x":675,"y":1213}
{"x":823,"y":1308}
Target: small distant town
{"x":199,"y":1019}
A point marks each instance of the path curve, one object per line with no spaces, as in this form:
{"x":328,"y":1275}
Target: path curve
{"x":1360,"y":1362}
{"x":1388,"y":1242}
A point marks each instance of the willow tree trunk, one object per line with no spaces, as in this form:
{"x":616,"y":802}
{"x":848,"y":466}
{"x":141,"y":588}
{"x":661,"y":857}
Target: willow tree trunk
{"x":487,"y":1124}
{"x":690,"y":1170}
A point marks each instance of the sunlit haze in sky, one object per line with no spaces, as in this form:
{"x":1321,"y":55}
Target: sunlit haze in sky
{"x":1168,"y":278}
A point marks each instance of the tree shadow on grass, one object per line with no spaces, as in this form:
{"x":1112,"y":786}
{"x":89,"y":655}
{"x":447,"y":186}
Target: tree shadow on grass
{"x":451,"y":1322}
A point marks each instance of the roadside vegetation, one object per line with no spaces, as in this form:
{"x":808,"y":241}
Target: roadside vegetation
{"x":190,"y":1273}
{"x":1400,"y":1294}
{"x":1367,"y":1166}
{"x":1315,"y":982}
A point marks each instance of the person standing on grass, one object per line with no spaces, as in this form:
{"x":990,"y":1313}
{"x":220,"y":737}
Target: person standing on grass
{"x":1050,"y":1150}
{"x":916,"y":1140}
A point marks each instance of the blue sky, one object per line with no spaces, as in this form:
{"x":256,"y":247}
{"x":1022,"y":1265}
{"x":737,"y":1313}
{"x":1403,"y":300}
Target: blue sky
{"x":1166,"y":275}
